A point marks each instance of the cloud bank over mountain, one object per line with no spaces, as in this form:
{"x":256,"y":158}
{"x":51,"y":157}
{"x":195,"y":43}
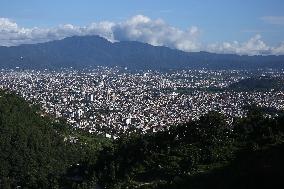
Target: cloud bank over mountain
{"x":138,"y":28}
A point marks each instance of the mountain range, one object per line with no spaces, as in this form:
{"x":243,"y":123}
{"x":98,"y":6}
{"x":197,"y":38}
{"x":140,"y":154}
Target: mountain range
{"x":86,"y":51}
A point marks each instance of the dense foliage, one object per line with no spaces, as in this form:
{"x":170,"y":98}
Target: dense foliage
{"x":39,"y":152}
{"x":36,"y":152}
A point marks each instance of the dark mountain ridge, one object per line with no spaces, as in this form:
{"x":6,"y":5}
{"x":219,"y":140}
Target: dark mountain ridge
{"x":84,"y":51}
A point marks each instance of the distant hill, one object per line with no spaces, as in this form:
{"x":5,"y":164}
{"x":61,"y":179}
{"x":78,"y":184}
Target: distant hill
{"x":259,"y":83}
{"x":84,"y":51}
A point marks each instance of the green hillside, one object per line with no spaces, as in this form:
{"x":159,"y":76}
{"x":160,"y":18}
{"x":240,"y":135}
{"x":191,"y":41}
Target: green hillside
{"x":37,"y":152}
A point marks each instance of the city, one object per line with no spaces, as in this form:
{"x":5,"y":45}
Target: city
{"x":116,"y":98}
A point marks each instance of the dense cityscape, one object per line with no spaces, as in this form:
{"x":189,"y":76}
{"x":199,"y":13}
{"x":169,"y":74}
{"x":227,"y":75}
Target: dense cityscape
{"x":116,"y":98}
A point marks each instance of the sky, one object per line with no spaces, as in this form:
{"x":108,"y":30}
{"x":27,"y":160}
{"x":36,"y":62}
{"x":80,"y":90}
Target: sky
{"x":250,"y":27}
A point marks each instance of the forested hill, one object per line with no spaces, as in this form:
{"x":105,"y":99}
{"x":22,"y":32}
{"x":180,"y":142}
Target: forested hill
{"x":85,"y":51}
{"x":31,"y":152}
{"x":40,"y":152}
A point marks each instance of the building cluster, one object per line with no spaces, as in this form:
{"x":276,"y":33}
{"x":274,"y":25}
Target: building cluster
{"x":107,"y":98}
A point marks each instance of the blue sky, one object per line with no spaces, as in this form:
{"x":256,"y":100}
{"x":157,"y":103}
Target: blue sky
{"x":217,"y":21}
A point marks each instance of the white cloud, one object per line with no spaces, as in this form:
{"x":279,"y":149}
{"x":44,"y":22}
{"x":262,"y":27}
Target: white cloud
{"x":11,"y":34}
{"x":254,"y":46}
{"x":7,"y":25}
{"x":277,"y":20}
{"x":157,"y":32}
{"x":138,"y":28}
{"x":278,"y":50}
